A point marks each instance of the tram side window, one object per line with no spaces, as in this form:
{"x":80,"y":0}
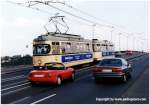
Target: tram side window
{"x":111,"y":46}
{"x":74,"y":47}
{"x":63,"y":47}
{"x":103,"y":47}
{"x":66,"y":47}
{"x":87,"y":47}
{"x":82,"y":47}
{"x":98,"y":47}
{"x":78,"y":48}
{"x":55,"y":48}
{"x":90,"y":47}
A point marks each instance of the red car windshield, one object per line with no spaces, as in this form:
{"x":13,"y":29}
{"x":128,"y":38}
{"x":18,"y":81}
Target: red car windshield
{"x":50,"y":66}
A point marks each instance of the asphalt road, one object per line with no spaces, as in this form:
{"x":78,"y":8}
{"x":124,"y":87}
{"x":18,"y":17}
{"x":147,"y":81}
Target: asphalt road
{"x":16,"y":89}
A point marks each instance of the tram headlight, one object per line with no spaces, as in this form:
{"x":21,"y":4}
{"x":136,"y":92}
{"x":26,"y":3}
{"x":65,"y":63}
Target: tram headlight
{"x":39,"y":62}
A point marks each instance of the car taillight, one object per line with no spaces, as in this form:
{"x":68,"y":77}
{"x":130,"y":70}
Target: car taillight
{"x":97,"y":69}
{"x":117,"y":70}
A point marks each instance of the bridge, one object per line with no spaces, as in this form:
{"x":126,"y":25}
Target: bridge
{"x":15,"y":88}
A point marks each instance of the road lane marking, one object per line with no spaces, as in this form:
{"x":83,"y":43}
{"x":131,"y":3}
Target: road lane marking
{"x":17,"y":77}
{"x":14,"y":91}
{"x":44,"y":99}
{"x":15,"y":83}
{"x":17,"y":101}
{"x":15,"y":86}
{"x":16,"y":70}
{"x":80,"y":70}
{"x":83,"y":77}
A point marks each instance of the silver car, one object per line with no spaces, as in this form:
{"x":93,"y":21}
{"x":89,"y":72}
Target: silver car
{"x":112,"y":68}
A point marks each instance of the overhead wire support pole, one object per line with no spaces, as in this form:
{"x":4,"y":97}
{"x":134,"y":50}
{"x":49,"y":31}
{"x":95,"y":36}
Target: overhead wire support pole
{"x":119,"y":41}
{"x":111,"y":33}
{"x":93,"y":30}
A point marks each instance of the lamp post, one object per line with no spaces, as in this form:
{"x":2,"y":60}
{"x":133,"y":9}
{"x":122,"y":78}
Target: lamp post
{"x":127,"y":36}
{"x":133,"y":41}
{"x":111,"y":33}
{"x":119,"y":41}
{"x":93,"y":30}
{"x":135,"y":46}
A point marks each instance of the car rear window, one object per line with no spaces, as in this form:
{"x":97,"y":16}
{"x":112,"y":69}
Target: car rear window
{"x":110,"y":62}
{"x":56,"y":66}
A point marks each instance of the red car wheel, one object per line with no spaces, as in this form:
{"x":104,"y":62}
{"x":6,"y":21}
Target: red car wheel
{"x":59,"y":81}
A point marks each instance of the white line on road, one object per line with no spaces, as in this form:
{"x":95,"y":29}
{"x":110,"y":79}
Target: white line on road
{"x":14,"y":83}
{"x":43,"y":99}
{"x":8,"y":79}
{"x":84,"y":68}
{"x":83,"y":77}
{"x":15,"y":86}
{"x":17,"y":101}
{"x":15,"y":70}
{"x":14,"y":91}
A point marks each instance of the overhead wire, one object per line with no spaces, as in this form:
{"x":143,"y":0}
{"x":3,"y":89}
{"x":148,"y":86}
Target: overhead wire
{"x":71,"y":14}
{"x":79,"y":17}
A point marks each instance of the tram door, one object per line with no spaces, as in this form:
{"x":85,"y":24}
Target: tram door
{"x":55,"y":48}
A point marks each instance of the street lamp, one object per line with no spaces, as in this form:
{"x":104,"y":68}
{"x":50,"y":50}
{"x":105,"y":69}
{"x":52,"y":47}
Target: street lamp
{"x":119,"y":41}
{"x":93,"y":30}
{"x":111,"y":33}
{"x":127,"y":36}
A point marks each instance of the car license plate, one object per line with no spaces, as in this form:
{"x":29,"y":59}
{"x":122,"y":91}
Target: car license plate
{"x":106,"y":70}
{"x":38,"y":75}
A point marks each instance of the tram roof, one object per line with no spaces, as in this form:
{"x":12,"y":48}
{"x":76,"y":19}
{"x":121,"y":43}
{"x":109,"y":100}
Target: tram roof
{"x":60,"y":37}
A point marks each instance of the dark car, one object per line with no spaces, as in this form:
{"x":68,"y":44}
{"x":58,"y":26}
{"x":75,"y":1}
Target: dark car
{"x":118,"y":54}
{"x":129,"y":52}
{"x":112,"y":68}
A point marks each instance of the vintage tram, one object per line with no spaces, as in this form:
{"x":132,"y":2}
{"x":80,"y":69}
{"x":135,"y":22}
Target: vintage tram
{"x":69,"y":49}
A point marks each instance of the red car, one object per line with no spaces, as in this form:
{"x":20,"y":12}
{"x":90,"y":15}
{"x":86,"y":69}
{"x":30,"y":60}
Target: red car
{"x":51,"y":73}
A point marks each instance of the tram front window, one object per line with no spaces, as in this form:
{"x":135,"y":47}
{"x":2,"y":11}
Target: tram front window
{"x":41,"y":49}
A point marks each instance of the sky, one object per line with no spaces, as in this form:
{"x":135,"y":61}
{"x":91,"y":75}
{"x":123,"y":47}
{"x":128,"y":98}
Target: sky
{"x":20,"y":25}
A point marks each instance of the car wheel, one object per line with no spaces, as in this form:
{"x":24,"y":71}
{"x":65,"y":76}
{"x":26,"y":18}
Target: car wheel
{"x":72,"y":77}
{"x":124,"y":78}
{"x":59,"y":81}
